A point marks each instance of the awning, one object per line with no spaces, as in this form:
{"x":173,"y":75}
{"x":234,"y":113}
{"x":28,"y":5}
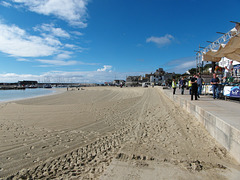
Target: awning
{"x":211,"y":56}
{"x":230,"y":50}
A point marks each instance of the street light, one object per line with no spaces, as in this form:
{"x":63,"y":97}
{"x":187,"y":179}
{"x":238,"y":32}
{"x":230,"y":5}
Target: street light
{"x":220,"y":33}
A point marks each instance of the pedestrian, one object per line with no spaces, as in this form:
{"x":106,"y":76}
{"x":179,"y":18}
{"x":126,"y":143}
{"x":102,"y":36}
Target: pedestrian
{"x":182,"y":85}
{"x":179,"y":83}
{"x":190,"y":86}
{"x":214,"y":83}
{"x":194,"y":87}
{"x":199,"y":84}
{"x":174,"y":86}
{"x":226,"y":74}
{"x":231,"y":69}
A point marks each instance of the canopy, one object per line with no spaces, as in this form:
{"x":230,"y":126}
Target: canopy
{"x":231,"y":50}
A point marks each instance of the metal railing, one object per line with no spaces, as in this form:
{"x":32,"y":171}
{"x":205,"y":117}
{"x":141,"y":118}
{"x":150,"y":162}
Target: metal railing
{"x":215,"y":45}
{"x":223,"y":39}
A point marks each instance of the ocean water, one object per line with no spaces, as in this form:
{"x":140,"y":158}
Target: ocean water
{"x":9,"y":95}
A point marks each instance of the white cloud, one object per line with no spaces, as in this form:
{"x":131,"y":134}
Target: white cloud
{"x":61,"y":62}
{"x":6,"y":4}
{"x":23,"y":60}
{"x":58,"y":62}
{"x":16,"y":42}
{"x":65,"y":76}
{"x":77,"y":33}
{"x":72,"y":46}
{"x":189,"y":65}
{"x":50,"y":40}
{"x":72,"y":11}
{"x":181,"y":65}
{"x":63,"y":56}
{"x":75,"y":48}
{"x":13,"y":77}
{"x":161,"y":41}
{"x":105,"y":68}
{"x":58,"y":32}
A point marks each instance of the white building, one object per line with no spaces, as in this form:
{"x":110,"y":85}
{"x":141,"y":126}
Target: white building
{"x":225,"y":62}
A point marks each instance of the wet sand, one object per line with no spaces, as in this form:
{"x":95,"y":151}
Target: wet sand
{"x":107,"y":133}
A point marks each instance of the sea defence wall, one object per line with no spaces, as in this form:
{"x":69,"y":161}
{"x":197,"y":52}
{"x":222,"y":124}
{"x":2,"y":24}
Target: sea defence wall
{"x":220,"y":118}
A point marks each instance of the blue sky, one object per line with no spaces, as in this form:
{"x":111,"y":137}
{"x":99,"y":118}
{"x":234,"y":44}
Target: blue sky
{"x":100,"y":40}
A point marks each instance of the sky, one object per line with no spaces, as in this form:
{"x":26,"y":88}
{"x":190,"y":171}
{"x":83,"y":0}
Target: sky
{"x":97,"y":41}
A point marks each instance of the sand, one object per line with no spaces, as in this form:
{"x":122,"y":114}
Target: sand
{"x":107,"y":133}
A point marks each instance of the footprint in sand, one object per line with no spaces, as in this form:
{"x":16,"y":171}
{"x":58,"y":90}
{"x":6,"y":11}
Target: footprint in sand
{"x":27,"y":155}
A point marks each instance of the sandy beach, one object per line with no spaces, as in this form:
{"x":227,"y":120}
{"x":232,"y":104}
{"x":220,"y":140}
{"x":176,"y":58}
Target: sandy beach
{"x":107,"y":133}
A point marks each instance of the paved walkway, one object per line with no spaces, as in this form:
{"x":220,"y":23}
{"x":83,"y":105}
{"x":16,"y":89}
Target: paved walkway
{"x":220,"y":117}
{"x":229,"y":111}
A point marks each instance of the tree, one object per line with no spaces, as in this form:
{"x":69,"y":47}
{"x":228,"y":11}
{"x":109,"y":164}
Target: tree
{"x":206,"y":67}
{"x":192,"y":71}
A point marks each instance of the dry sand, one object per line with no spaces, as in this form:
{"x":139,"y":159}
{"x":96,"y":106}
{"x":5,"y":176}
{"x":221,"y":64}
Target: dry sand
{"x":107,"y":133}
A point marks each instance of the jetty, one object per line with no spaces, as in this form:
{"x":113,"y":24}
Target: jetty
{"x":12,"y":88}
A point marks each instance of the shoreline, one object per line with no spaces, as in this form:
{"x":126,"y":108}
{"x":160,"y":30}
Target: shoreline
{"x":54,"y":92}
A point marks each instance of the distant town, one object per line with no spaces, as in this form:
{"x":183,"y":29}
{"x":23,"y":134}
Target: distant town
{"x":159,"y":77}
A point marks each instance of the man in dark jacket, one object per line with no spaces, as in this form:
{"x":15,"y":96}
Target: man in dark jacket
{"x":182,"y":84}
{"x":194,"y":87}
{"x":214,"y":82}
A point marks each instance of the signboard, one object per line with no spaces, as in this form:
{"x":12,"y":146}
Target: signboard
{"x":236,"y":66}
{"x":232,"y":91}
{"x":207,"y":89}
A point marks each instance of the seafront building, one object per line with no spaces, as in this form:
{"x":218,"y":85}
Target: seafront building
{"x":28,"y":83}
{"x":118,"y":82}
{"x":133,"y":80}
{"x":159,"y":77}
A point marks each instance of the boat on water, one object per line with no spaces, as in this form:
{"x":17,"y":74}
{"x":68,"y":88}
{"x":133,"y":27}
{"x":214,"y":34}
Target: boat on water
{"x":47,"y":86}
{"x":32,"y":86}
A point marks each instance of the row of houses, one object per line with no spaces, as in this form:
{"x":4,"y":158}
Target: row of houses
{"x":159,"y":77}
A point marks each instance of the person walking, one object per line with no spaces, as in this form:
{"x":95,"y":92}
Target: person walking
{"x":199,"y":84}
{"x":190,"y":86}
{"x":194,"y":87}
{"x":214,"y":83}
{"x":182,"y":85}
{"x":174,"y":86}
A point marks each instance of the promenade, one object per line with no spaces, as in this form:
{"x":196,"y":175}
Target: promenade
{"x":220,"y":118}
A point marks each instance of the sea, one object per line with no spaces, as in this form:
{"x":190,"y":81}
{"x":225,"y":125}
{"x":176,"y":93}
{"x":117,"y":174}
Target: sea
{"x":10,"y":95}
